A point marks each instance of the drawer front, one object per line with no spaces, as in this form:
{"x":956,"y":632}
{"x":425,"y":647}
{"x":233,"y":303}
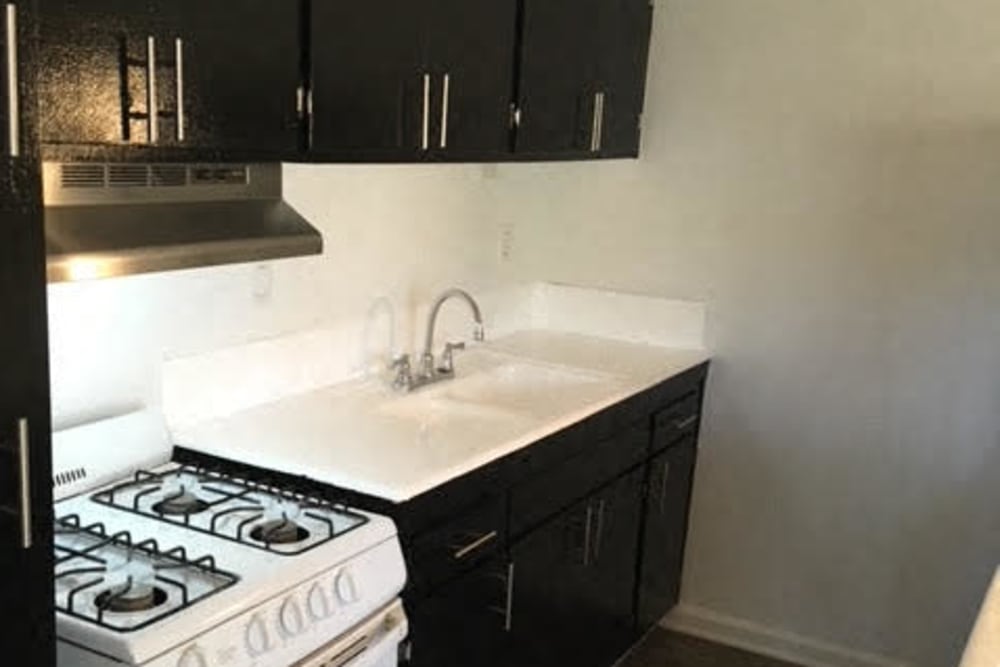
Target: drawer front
{"x":676,"y":421}
{"x":463,"y":541}
{"x":551,"y":490}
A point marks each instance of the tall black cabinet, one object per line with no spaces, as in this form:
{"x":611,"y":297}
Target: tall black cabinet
{"x":26,"y":614}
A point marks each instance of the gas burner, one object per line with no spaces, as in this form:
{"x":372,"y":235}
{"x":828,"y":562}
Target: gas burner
{"x":279,"y":531}
{"x":180,"y":505}
{"x":129,"y":600}
{"x":239,"y":510}
{"x":181,"y":496}
{"x":117,"y":583}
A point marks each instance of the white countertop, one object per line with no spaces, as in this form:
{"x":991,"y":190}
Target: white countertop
{"x":361,"y":436}
{"x":983,"y":649}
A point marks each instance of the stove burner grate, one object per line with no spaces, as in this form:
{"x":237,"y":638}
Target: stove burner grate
{"x":258,"y":515}
{"x":85,"y":560}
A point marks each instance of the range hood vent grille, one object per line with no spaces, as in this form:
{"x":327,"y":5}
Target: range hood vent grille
{"x":111,"y":176}
{"x":104,"y":220}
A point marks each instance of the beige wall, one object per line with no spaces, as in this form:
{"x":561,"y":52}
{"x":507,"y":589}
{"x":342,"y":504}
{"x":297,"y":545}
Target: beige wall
{"x":826,"y":174}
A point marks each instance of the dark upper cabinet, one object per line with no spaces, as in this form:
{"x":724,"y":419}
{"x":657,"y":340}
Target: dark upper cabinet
{"x":582,"y":77}
{"x":368,"y":80}
{"x":217,"y":79}
{"x":668,"y":501}
{"x":26,"y":611}
{"x":625,"y":27}
{"x":92,"y":72}
{"x":471,"y":52}
{"x":404,"y":81}
{"x":230,"y":76}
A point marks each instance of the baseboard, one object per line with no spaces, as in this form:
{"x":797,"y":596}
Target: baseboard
{"x":779,"y":644}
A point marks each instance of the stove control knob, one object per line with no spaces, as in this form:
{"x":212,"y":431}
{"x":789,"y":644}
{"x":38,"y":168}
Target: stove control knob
{"x":193,"y":657}
{"x":292,"y":621}
{"x":257,"y":639}
{"x":319,"y":606}
{"x":346,"y":588}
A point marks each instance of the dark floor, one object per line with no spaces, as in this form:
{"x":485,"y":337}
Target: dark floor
{"x":662,"y":648}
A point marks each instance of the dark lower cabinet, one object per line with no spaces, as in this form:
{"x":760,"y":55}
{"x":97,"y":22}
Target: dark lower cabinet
{"x":466,"y":619}
{"x":668,"y":502}
{"x":574,"y":579}
{"x":26,"y":596}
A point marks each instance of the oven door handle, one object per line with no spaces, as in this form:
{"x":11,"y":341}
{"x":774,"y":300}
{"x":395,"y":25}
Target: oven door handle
{"x":353,"y":650}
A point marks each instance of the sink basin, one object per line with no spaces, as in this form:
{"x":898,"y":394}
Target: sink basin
{"x":513,"y":392}
{"x":533,"y":390}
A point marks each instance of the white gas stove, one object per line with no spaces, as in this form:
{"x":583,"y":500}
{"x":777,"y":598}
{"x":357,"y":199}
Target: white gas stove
{"x":175,"y":565}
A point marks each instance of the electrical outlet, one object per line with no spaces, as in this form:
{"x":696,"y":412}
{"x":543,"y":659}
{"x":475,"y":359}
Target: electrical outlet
{"x":263,"y":282}
{"x":506,"y":246}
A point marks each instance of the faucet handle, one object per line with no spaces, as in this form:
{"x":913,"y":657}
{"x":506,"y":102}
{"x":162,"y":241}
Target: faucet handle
{"x":404,"y":374}
{"x":448,"y":357}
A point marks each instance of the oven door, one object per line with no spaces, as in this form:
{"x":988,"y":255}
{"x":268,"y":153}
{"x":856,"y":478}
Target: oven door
{"x":372,"y":643}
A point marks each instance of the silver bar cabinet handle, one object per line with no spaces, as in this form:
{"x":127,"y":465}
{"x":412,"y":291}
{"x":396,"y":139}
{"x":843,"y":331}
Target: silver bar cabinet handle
{"x":445,"y":94}
{"x":508,"y":618}
{"x":600,"y":529}
{"x":13,"y":102}
{"x":663,"y":486}
{"x":24,"y":452}
{"x":425,"y":136}
{"x":587,"y":536}
{"x":474,"y":545}
{"x":597,"y":126}
{"x":179,"y":62}
{"x":152,"y":104}
{"x":682,"y":424}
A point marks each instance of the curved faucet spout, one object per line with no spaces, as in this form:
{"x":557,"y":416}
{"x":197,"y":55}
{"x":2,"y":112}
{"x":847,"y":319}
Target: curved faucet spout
{"x":478,"y":332}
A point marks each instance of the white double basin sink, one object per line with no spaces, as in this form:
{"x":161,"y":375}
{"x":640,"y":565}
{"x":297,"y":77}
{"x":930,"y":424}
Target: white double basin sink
{"x":500,"y":394}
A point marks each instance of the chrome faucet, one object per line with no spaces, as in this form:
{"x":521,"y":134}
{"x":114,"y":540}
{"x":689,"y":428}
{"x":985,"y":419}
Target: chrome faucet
{"x":430,"y":371}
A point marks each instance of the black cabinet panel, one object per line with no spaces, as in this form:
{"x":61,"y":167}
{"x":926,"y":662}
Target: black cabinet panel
{"x":368,"y":79}
{"x":93,"y":74}
{"x":465,"y":622}
{"x":624,"y":49}
{"x":471,"y":49}
{"x":220,"y":78}
{"x":574,"y":581}
{"x":239,"y":77}
{"x":26,"y":595}
{"x":668,"y":501}
{"x":556,"y":80}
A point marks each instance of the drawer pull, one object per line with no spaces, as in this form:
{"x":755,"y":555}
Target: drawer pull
{"x":587,"y":536}
{"x":13,"y":104}
{"x":476,"y":544}
{"x":663,"y":486}
{"x":681,"y":424}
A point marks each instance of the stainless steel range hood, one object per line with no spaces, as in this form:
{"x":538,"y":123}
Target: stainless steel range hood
{"x":104,"y":220}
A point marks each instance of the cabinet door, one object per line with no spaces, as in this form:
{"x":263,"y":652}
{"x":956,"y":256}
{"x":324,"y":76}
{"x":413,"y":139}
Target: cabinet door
{"x":624,"y":50}
{"x":471,"y":50}
{"x":369,"y":80}
{"x":230,"y":76}
{"x":26,"y":594}
{"x":551,"y":570}
{"x":94,"y":71}
{"x":556,"y":92}
{"x":465,"y":622}
{"x":665,"y":530}
{"x":610,"y":591}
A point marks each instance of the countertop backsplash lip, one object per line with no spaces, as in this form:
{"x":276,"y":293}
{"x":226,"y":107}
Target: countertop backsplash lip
{"x":228,"y":380}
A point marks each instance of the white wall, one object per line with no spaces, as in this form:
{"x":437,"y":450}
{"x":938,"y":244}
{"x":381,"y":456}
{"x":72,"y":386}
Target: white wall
{"x":395,"y":232}
{"x":827,"y":176}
